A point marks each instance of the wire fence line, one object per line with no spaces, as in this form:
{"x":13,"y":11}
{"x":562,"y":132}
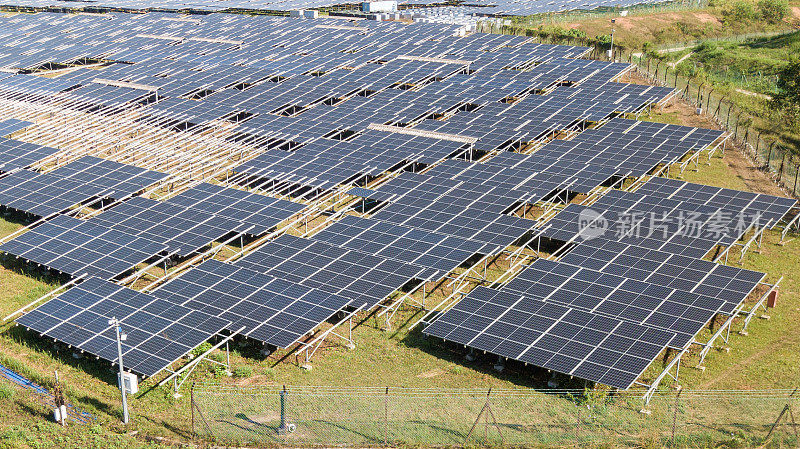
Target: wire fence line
{"x":781,"y":163}
{"x":272,"y":415}
{"x":767,"y":153}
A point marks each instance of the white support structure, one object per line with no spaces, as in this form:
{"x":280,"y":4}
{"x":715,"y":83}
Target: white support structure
{"x":189,"y":367}
{"x":674,"y":363}
{"x":310,"y":348}
{"x":793,"y":222}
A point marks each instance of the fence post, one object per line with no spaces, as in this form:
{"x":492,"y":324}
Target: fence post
{"x":780,"y":171}
{"x":675,"y":415}
{"x":386,"y":417}
{"x":191,"y":407}
{"x":796,"y":174}
{"x":769,"y":155}
{"x":700,"y":96}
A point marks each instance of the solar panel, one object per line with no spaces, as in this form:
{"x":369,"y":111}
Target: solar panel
{"x":121,"y":179}
{"x":439,"y":252}
{"x":363,"y":278}
{"x":551,"y":335}
{"x":683,"y":313}
{"x":12,"y":125}
{"x":770,"y":208}
{"x":730,"y":284}
{"x":158,"y":332}
{"x":44,"y":194}
{"x":201,"y":215}
{"x":17,"y":154}
{"x":271,"y":310}
{"x":78,"y":247}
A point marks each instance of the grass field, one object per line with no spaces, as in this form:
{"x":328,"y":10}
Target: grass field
{"x":747,"y":74}
{"x":767,"y":358}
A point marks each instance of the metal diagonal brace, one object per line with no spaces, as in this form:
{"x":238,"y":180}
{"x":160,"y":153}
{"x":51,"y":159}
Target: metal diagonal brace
{"x":311,"y":347}
{"x":654,"y":386}
{"x":196,"y":361}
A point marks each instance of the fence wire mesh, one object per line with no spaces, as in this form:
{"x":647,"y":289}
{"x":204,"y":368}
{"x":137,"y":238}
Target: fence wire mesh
{"x":325,"y":416}
{"x":782,"y":163}
{"x":767,"y":153}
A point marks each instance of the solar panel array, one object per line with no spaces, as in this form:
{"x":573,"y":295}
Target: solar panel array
{"x":77,"y":247}
{"x":76,"y":183}
{"x":11,"y":125}
{"x":729,"y":284}
{"x":158,"y":332}
{"x":16,"y":154}
{"x":551,"y":335}
{"x":438,"y":253}
{"x":198,"y":216}
{"x":333,"y":104}
{"x":675,"y":225}
{"x":271,"y":310}
{"x":365,"y":279}
{"x":768,"y":208}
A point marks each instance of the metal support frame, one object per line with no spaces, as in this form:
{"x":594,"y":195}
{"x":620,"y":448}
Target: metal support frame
{"x":794,"y":222}
{"x":310,"y":348}
{"x":674,"y":363}
{"x":189,"y":367}
{"x":759,"y":304}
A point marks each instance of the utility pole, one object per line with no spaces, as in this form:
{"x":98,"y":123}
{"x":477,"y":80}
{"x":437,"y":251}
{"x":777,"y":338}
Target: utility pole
{"x":613,"y":21}
{"x":121,"y":336}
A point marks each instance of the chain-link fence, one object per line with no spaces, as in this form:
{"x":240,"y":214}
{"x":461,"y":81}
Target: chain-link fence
{"x":782,"y":163}
{"x":768,"y":154}
{"x":325,"y":416}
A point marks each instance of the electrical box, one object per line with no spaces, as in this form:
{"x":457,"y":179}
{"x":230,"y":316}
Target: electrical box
{"x":131,"y":383}
{"x":772,"y":298}
{"x":296,"y":13}
{"x":310,"y":14}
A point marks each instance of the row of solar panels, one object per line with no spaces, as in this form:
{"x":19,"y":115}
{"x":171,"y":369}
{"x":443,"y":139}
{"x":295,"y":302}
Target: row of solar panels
{"x":333,"y":79}
{"x":505,"y":7}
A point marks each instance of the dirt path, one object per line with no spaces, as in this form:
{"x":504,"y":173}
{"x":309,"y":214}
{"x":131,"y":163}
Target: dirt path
{"x":753,"y":94}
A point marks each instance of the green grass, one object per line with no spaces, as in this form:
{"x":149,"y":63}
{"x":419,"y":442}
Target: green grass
{"x":745,"y":73}
{"x":751,"y":65}
{"x":767,"y":358}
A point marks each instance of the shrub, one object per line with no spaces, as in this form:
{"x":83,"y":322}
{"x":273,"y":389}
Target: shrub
{"x":742,"y":10}
{"x":773,"y":10}
{"x":242,"y":372}
{"x":200,"y":349}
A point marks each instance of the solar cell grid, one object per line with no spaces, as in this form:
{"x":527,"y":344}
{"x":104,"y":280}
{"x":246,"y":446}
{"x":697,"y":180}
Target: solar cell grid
{"x":365,"y":279}
{"x":159,"y":332}
{"x":607,"y":294}
{"x":271,"y":310}
{"x":553,"y":336}
{"x":438,"y":252}
{"x":195,"y":218}
{"x":730,"y":284}
{"x":12,"y":125}
{"x":770,"y":208}
{"x":17,"y":154}
{"x":78,"y":247}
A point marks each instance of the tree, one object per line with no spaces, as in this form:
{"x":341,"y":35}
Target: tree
{"x":788,"y":97}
